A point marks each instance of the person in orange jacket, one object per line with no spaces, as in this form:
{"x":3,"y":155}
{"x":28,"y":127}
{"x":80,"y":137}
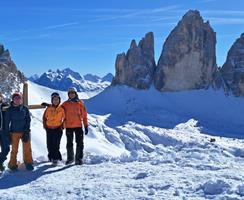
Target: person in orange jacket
{"x":53,"y":119}
{"x":75,"y":118}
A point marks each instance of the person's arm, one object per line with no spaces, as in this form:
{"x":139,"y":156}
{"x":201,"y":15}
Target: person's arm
{"x":6,"y":125}
{"x":85,"y":120}
{"x":84,"y":117}
{"x":64,"y":109}
{"x":5,"y":106}
{"x":27,"y":121}
{"x":84,"y":114}
{"x":26,"y":135}
{"x":44,"y":119}
{"x":63,"y":121}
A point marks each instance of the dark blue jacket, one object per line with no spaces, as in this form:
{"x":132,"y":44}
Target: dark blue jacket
{"x":17,"y":119}
{"x":2,"y":114}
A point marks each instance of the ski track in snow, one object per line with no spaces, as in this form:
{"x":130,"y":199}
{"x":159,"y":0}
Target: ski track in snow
{"x":125,"y":159}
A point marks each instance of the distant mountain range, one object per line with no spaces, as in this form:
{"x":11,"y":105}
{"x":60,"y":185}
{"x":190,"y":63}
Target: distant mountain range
{"x":66,"y":78}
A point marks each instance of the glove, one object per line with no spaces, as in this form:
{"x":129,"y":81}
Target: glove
{"x":45,"y":104}
{"x":62,"y":126}
{"x":86,"y":130}
{"x":26,"y":137}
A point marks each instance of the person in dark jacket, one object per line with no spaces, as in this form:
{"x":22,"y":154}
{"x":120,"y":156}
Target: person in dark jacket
{"x":17,"y":124}
{"x":4,"y":138}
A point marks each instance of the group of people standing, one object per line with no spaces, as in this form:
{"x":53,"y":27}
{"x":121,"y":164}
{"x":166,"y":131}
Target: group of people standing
{"x":15,"y":126}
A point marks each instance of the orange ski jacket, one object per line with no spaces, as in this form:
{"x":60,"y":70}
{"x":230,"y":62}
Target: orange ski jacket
{"x":75,"y":114}
{"x":53,"y":117}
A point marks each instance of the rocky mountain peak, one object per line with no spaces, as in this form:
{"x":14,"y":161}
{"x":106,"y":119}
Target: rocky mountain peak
{"x":233,"y":68}
{"x":10,"y":77}
{"x":188,"y":59}
{"x":133,"y":44}
{"x":192,"y":15}
{"x":136,"y":67}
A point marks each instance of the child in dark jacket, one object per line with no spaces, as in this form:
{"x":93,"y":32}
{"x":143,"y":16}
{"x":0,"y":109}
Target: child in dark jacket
{"x":17,"y":124}
{"x":4,"y":138}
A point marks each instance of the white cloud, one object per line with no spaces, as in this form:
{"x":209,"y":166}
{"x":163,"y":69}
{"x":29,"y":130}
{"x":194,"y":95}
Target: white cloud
{"x":60,"y":26}
{"x":233,"y":13}
{"x":225,"y":20}
{"x":133,"y":13}
{"x":34,"y":37}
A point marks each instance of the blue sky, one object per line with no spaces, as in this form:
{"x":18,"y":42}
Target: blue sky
{"x":87,"y":35}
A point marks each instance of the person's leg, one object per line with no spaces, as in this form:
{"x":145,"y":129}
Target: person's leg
{"x":56,"y":145}
{"x":15,"y":137}
{"x":69,"y":146}
{"x":79,"y":144}
{"x":27,"y":153}
{"x":4,"y":143}
{"x":49,"y":144}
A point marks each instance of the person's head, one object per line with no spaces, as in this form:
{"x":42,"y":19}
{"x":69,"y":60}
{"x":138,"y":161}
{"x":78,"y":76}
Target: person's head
{"x":17,"y":98}
{"x":72,"y":92}
{"x":55,"y":99}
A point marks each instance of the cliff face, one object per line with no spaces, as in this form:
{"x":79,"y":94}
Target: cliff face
{"x":188,"y":59}
{"x":233,"y":68}
{"x":10,"y":76}
{"x":136,"y":67}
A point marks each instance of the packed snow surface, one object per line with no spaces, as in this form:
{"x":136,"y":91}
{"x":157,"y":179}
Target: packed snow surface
{"x":141,"y":145}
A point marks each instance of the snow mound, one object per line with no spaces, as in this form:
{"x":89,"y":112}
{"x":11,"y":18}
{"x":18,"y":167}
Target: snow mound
{"x":240,"y":190}
{"x":215,"y":187}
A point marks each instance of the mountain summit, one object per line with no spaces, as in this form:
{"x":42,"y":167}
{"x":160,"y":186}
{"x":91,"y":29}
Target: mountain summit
{"x":10,"y":76}
{"x":136,"y":67}
{"x":188,"y":59}
{"x":66,"y":78}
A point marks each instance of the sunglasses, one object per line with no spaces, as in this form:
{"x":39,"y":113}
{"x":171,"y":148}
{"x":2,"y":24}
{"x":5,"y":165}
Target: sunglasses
{"x":55,"y":95}
{"x":17,"y":98}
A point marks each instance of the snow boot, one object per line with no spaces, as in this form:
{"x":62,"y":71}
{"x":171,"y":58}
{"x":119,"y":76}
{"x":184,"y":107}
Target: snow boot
{"x":29,"y":167}
{"x":14,"y":168}
{"x":54,"y":162}
{"x":68,"y":162}
{"x":79,"y":162}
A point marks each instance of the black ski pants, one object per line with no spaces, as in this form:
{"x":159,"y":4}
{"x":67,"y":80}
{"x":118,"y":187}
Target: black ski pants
{"x":53,"y":143}
{"x":79,"y":143}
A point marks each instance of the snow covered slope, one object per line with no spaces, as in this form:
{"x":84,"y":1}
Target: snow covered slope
{"x":216,"y":113}
{"x":142,"y":145}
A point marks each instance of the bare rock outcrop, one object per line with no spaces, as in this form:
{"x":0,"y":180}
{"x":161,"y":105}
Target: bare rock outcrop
{"x":136,"y":67}
{"x":10,"y":77}
{"x":188,"y":59}
{"x":233,"y":68}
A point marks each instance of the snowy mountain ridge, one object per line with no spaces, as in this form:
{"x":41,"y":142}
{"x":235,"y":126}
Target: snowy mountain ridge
{"x":66,"y":78}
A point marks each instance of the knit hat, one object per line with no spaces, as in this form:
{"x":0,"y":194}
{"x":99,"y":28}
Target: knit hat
{"x":72,"y":89}
{"x":16,"y":94}
{"x":55,"y":94}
